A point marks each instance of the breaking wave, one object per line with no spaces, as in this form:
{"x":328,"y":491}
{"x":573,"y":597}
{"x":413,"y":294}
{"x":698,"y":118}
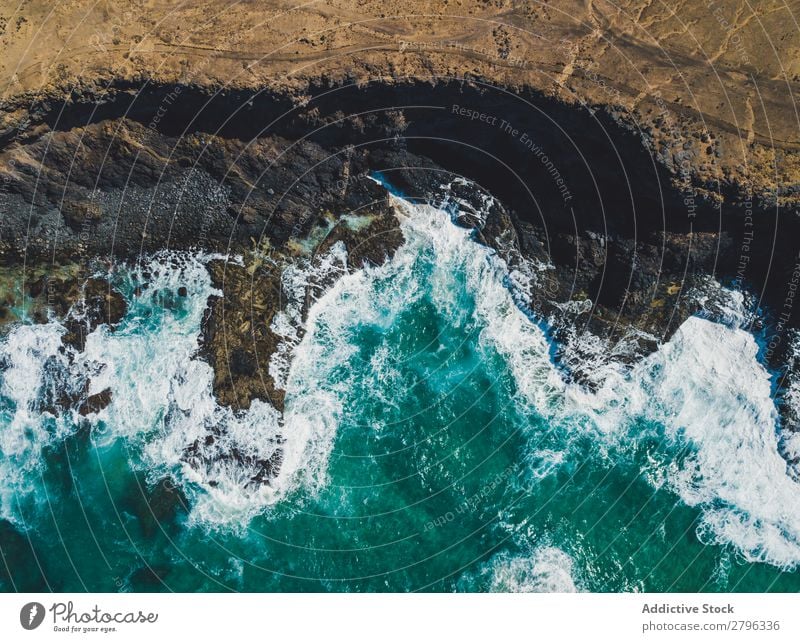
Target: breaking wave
{"x":546,"y":570}
{"x":703,"y":392}
{"x":162,"y":402}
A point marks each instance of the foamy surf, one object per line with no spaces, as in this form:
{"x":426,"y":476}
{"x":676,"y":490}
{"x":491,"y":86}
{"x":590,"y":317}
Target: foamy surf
{"x":709,"y":390}
{"x":703,"y":392}
{"x":162,"y":403}
{"x":705,"y":386}
{"x":547,"y":569}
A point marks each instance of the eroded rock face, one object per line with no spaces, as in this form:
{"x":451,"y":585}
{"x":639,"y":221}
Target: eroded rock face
{"x":632,"y":152}
{"x":240,"y":331}
{"x":711,"y":84}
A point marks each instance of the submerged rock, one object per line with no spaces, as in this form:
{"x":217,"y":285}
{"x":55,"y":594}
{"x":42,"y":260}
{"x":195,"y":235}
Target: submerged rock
{"x":158,"y":507}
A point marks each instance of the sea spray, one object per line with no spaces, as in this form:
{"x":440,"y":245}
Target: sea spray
{"x":162,"y":401}
{"x":545,"y":569}
{"x":32,"y":360}
{"x":410,"y":387}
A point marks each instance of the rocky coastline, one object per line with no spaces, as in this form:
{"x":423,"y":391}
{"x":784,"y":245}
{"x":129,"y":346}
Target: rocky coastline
{"x":623,"y":243}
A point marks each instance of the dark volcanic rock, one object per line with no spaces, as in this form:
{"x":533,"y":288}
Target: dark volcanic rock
{"x":99,"y":303}
{"x":606,"y":230}
{"x":242,"y":363}
{"x":82,"y":304}
{"x":95,"y":403}
{"x":237,"y":335}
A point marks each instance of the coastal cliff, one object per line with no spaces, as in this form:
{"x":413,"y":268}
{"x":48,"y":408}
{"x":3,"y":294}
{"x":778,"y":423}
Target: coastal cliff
{"x":636,"y":153}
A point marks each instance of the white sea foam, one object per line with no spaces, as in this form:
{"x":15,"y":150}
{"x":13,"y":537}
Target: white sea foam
{"x":163,"y":400}
{"x":162,"y":403}
{"x":709,"y":392}
{"x":734,"y":308}
{"x":504,"y":326}
{"x":546,"y":570}
{"x":705,"y":387}
{"x":302,"y":284}
{"x":147,"y":358}
{"x":27,"y":353}
{"x":708,"y":389}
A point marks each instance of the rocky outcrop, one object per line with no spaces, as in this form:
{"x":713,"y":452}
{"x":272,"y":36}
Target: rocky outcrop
{"x":710,"y":84}
{"x":580,"y":191}
{"x":240,"y":337}
{"x":81,"y":303}
{"x":632,"y":152}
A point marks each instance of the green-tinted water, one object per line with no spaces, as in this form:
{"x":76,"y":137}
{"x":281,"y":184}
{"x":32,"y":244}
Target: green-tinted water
{"x":458,"y":460}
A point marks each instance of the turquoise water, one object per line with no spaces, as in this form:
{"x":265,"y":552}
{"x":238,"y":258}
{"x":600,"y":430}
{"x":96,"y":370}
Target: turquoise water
{"x":428,"y":444}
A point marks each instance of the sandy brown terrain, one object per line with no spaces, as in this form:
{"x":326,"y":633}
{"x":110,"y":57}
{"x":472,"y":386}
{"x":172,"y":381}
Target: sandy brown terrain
{"x":716,"y":78}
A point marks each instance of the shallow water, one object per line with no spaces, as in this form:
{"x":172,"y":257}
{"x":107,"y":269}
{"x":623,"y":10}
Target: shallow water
{"x":429,"y":444}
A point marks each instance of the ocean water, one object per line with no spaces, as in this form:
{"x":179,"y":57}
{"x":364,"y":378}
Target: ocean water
{"x":428,"y":444}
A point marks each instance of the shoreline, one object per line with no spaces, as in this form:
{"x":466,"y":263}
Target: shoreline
{"x":206,"y":174}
